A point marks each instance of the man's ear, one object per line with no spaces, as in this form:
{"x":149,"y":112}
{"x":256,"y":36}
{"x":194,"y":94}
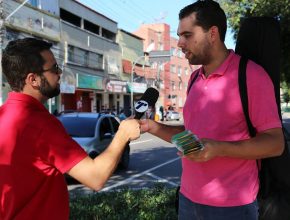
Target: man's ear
{"x":214,"y":33}
{"x":32,"y":79}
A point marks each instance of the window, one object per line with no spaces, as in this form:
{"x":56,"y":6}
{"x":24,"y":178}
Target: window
{"x":172,"y":69}
{"x":154,"y":65}
{"x":34,"y":2}
{"x":91,"y":27}
{"x":161,"y":67}
{"x":186,"y":71}
{"x":173,"y":85}
{"x":179,"y":53}
{"x":115,"y":124}
{"x":70,"y":18}
{"x":180,"y":85}
{"x":105,"y":127}
{"x":180,"y":102}
{"x":79,"y":126}
{"x":113,"y":67}
{"x":80,"y":56}
{"x":108,"y":34}
{"x":99,"y":59}
{"x":185,"y":86}
{"x":71,"y":54}
{"x":172,"y":51}
{"x":95,"y":60}
{"x":86,"y":58}
{"x":179,"y":70}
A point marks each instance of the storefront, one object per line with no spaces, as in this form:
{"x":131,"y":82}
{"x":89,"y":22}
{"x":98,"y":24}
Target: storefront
{"x":67,"y":89}
{"x":117,"y":91}
{"x":87,"y":87}
{"x":136,"y":90}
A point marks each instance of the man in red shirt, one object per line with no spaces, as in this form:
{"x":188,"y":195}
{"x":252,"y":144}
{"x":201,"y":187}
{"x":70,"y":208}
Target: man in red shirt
{"x":35,"y":150}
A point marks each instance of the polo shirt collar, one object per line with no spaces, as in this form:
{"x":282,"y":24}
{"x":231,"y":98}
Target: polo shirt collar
{"x":31,"y":101}
{"x":220,"y":71}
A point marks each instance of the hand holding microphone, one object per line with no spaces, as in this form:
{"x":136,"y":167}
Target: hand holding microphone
{"x":149,"y":98}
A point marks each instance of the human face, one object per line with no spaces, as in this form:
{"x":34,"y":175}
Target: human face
{"x":49,"y":84}
{"x":194,"y":41}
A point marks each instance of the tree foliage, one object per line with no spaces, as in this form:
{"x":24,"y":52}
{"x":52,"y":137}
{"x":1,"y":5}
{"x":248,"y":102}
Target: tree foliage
{"x":280,"y":9}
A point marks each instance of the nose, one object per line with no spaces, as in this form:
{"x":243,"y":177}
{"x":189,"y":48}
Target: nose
{"x":180,"y":42}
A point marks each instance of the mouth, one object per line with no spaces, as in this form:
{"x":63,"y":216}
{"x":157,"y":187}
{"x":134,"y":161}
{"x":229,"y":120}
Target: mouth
{"x":187,"y":54}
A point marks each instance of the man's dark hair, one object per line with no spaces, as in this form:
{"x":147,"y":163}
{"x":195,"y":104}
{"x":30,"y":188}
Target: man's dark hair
{"x":208,"y":13}
{"x":21,"y":57}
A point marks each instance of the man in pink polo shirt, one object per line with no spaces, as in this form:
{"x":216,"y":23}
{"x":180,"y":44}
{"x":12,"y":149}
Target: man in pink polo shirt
{"x":35,"y":150}
{"x":221,"y":181}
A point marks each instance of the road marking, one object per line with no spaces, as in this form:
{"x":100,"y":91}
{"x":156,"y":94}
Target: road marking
{"x":139,"y":142}
{"x":138,"y":175}
{"x":161,"y":180}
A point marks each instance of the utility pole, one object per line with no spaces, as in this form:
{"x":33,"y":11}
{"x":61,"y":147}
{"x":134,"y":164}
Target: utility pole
{"x":2,"y":31}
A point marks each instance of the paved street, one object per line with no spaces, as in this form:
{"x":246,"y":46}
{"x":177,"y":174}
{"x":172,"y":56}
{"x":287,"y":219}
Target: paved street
{"x":152,"y":161}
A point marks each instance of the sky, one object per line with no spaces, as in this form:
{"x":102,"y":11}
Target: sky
{"x":130,"y":14}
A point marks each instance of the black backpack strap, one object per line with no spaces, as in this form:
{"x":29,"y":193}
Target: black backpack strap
{"x":192,"y":81}
{"x":244,"y":94}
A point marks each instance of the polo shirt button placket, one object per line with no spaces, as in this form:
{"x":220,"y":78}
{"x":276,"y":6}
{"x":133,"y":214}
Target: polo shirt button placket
{"x":205,"y":85}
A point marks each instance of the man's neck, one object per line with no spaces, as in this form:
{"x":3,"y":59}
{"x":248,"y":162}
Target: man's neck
{"x":218,"y":59}
{"x":35,"y":95}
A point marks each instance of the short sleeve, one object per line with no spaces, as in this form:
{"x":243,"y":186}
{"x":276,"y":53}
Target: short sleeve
{"x":57,"y":148}
{"x":263,"y":109}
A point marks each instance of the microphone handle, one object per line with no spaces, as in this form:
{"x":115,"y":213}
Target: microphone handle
{"x":138,"y":115}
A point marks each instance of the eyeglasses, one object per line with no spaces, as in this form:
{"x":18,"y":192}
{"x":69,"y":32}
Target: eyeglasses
{"x":54,"y":69}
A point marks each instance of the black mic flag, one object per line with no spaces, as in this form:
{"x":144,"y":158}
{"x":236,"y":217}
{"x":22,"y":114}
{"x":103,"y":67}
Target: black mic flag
{"x":149,"y":98}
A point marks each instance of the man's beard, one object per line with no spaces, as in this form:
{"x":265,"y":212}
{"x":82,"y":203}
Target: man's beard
{"x":47,"y":90}
{"x":202,"y":58}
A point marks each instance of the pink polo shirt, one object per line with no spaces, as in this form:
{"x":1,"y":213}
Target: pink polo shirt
{"x":213,"y":110}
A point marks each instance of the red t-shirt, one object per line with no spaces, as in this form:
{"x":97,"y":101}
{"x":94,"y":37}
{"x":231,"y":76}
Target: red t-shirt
{"x":35,"y":151}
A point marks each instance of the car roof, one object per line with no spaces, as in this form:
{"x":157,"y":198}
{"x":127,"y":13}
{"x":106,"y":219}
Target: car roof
{"x":84,"y":114}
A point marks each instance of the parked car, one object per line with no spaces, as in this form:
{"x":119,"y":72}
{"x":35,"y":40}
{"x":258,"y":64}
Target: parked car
{"x":93,"y":132}
{"x":172,"y":115}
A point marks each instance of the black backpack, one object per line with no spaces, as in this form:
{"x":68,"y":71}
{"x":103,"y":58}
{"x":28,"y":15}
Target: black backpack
{"x":259,"y":40}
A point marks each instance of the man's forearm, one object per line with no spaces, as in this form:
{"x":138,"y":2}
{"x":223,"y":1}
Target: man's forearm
{"x":109,"y":159}
{"x":163,"y":131}
{"x":267,"y":144}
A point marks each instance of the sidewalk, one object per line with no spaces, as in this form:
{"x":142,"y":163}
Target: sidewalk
{"x":285,"y":115}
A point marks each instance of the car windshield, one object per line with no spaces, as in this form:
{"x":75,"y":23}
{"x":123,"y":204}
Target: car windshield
{"x":79,"y":126}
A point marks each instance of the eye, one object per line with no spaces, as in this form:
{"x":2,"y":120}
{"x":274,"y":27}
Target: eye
{"x":187,"y":35}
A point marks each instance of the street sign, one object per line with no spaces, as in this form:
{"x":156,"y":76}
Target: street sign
{"x":159,"y":56}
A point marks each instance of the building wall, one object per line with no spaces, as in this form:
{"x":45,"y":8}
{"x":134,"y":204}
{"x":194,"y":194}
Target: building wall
{"x":32,"y":21}
{"x":51,"y":6}
{"x":97,"y":87}
{"x":85,"y":39}
{"x":180,"y":75}
{"x":158,"y":35}
{"x":131,"y":47}
{"x":173,"y":83}
{"x":93,"y":16}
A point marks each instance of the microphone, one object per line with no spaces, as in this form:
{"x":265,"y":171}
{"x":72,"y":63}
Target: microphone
{"x":149,"y":98}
